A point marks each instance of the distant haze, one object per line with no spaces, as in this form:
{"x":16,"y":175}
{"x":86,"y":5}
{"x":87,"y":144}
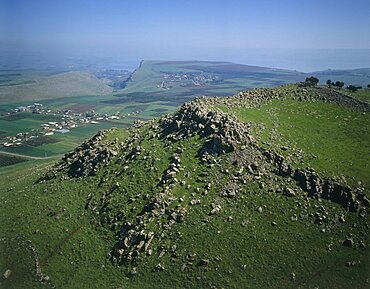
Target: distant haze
{"x":302,"y":35}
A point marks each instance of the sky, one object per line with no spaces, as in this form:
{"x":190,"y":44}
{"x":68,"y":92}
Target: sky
{"x":233,"y":30}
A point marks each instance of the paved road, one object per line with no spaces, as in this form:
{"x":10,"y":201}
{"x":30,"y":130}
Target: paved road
{"x":28,"y":157}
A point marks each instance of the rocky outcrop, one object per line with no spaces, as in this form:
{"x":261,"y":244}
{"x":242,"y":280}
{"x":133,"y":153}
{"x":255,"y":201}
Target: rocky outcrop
{"x":86,"y":159}
{"x":224,"y":133}
{"x":320,"y":187}
{"x":256,"y":97}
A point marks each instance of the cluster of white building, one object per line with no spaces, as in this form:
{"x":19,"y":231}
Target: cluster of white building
{"x":68,"y":121}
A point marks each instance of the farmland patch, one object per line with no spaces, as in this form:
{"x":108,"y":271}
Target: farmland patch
{"x":41,"y":140}
{"x":82,"y":107}
{"x":7,"y":160}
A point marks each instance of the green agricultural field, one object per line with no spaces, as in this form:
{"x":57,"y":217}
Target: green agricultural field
{"x":8,"y":160}
{"x":10,"y":125}
{"x":59,"y":143}
{"x":24,"y":122}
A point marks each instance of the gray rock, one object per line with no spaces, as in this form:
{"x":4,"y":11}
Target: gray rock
{"x":133,"y":271}
{"x":294,"y":218}
{"x":215,"y":210}
{"x":194,"y":202}
{"x":289,"y":192}
{"x":203,"y":262}
{"x":159,"y":267}
{"x":341,"y":219}
{"x":7,"y":274}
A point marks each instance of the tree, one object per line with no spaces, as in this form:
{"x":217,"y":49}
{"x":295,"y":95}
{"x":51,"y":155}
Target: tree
{"x":339,"y":84}
{"x":328,"y":82}
{"x":353,"y":88}
{"x":310,"y":81}
{"x":368,"y":86}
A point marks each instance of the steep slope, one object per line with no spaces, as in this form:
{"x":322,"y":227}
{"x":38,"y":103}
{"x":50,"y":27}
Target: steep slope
{"x":205,"y":198}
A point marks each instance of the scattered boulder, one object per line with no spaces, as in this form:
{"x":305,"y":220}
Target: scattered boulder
{"x":194,"y":202}
{"x":294,"y":218}
{"x":159,"y":267}
{"x":216,"y":209}
{"x":289,"y":192}
{"x":203,"y":262}
{"x":133,"y":271}
{"x":7,"y":274}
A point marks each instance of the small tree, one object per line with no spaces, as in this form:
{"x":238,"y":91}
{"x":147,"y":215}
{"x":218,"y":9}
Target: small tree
{"x":328,"y":82}
{"x":368,"y":86}
{"x":353,"y":88}
{"x":311,"y":81}
{"x":339,"y":84}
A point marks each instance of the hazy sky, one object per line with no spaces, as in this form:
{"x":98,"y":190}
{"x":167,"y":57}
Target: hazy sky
{"x":180,"y":29}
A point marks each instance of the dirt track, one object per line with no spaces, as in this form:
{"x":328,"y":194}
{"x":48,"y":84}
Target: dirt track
{"x":27,"y":157}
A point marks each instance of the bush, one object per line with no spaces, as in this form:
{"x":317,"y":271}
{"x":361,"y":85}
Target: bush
{"x":310,"y":81}
{"x":353,"y":88}
{"x":338,"y":84}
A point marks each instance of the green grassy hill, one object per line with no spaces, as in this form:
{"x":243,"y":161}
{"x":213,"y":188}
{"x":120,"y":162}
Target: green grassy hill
{"x":29,"y":86}
{"x":265,"y":189}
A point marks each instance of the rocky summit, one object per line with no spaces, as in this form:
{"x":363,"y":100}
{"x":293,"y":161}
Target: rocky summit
{"x":221,"y":194}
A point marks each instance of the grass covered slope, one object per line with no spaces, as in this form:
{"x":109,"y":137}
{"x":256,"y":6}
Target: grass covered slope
{"x":28,"y":86}
{"x":331,"y":138}
{"x":198,"y":199}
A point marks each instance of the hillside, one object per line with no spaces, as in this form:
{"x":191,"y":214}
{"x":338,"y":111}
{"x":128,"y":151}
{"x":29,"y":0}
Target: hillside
{"x":30,"y":86}
{"x":264,"y":189}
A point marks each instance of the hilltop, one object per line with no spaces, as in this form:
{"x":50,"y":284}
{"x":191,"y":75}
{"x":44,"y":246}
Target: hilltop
{"x":264,"y":189}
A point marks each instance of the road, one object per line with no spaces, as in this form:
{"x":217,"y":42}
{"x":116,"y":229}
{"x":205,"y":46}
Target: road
{"x":28,"y":157}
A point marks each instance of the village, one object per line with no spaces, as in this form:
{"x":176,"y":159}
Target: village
{"x":186,"y":79}
{"x":67,"y":120}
